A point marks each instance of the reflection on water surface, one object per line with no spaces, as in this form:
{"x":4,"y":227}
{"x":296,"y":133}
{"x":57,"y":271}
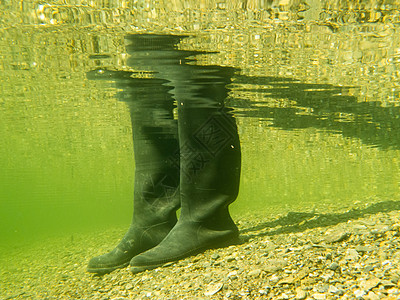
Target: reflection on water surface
{"x":290,"y":104}
{"x":315,"y":93}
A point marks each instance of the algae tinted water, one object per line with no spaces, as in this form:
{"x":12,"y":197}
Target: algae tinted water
{"x":315,"y":95}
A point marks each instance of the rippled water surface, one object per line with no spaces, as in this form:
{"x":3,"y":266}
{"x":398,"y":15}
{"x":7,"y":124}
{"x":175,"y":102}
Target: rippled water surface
{"x":314,"y":87}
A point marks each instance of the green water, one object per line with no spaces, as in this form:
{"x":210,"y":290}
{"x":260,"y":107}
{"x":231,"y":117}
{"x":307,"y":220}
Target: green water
{"x":66,"y":155}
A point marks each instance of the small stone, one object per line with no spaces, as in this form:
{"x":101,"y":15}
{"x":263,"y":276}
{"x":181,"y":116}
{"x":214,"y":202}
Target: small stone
{"x":368,"y":268}
{"x":302,"y":273}
{"x":333,"y":266}
{"x":300,"y":294}
{"x":232,"y":275}
{"x":129,"y":286}
{"x":387,"y":284}
{"x":228,"y":294}
{"x":274,"y":265}
{"x":215,"y":256}
{"x":393,"y":291}
{"x":283,"y":296}
{"x":335,"y":236}
{"x":254,"y":273}
{"x":370,"y":284}
{"x":230,"y":258}
{"x":274,"y":278}
{"x":265,"y":290}
{"x":321,"y":288}
{"x":352,"y":254}
{"x":380,"y":229}
{"x":319,"y":296}
{"x":372,"y":296}
{"x":327,"y":277}
{"x":364,"y":249}
{"x":333,"y":290}
{"x":359,"y":293}
{"x":212,"y":289}
{"x":288,"y":280}
{"x":386,"y":263}
{"x":396,"y":226}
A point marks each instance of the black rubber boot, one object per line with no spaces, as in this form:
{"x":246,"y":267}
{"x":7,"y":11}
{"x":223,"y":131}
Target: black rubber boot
{"x":156,"y":190}
{"x":209,"y":163}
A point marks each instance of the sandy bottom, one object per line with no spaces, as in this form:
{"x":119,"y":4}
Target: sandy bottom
{"x":335,"y":254}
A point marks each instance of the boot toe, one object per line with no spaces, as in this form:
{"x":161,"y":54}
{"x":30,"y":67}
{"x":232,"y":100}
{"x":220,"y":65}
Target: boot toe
{"x":146,"y":261}
{"x":184,"y":240}
{"x":107,"y":263}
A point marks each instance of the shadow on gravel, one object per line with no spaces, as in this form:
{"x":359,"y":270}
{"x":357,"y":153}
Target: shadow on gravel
{"x":300,"y":221}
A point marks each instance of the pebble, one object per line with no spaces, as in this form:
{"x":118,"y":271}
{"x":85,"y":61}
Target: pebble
{"x":333,"y":266}
{"x":387,"y":284}
{"x":368,"y":268}
{"x":284,"y":296}
{"x":344,"y":264}
{"x":370,"y":283}
{"x":371,"y":296}
{"x":300,"y":294}
{"x":363,"y":249}
{"x":335,"y":236}
{"x":319,"y":296}
{"x":233,"y":273}
{"x":212,"y":289}
{"x":215,"y":256}
{"x":254,"y":273}
{"x":321,"y":288}
{"x":334,"y":290}
{"x":230,"y":258}
{"x":129,"y":286}
{"x":359,"y":293}
{"x":274,"y":265}
{"x":352,"y":254}
{"x":274,"y":278}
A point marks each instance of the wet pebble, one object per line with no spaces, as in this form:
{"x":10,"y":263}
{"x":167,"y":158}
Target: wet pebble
{"x":300,"y":294}
{"x":333,"y":266}
{"x":335,"y":236}
{"x":319,"y":296}
{"x":215,"y":256}
{"x":351,"y":260}
{"x":212,"y":289}
{"x":369,"y":284}
{"x":230,"y":258}
{"x":352,"y":254}
{"x":254,"y":273}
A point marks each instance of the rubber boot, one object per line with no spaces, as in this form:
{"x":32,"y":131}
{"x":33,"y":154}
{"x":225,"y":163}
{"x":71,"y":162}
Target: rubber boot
{"x":156,"y":186}
{"x":209,"y":163}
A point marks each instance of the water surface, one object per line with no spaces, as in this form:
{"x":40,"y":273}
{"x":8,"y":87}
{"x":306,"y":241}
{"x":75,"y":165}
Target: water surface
{"x":315,"y":94}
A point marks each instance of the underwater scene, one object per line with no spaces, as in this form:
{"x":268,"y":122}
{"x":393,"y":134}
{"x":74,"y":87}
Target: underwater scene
{"x":243,"y":149}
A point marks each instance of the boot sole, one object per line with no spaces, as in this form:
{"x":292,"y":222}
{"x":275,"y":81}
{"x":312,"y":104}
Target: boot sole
{"x":169,"y":262}
{"x":103,"y":271}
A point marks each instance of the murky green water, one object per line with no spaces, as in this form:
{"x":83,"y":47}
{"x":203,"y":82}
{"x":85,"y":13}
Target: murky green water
{"x":316,"y":96}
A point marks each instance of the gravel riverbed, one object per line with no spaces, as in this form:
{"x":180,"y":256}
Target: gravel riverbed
{"x":353,"y":254}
